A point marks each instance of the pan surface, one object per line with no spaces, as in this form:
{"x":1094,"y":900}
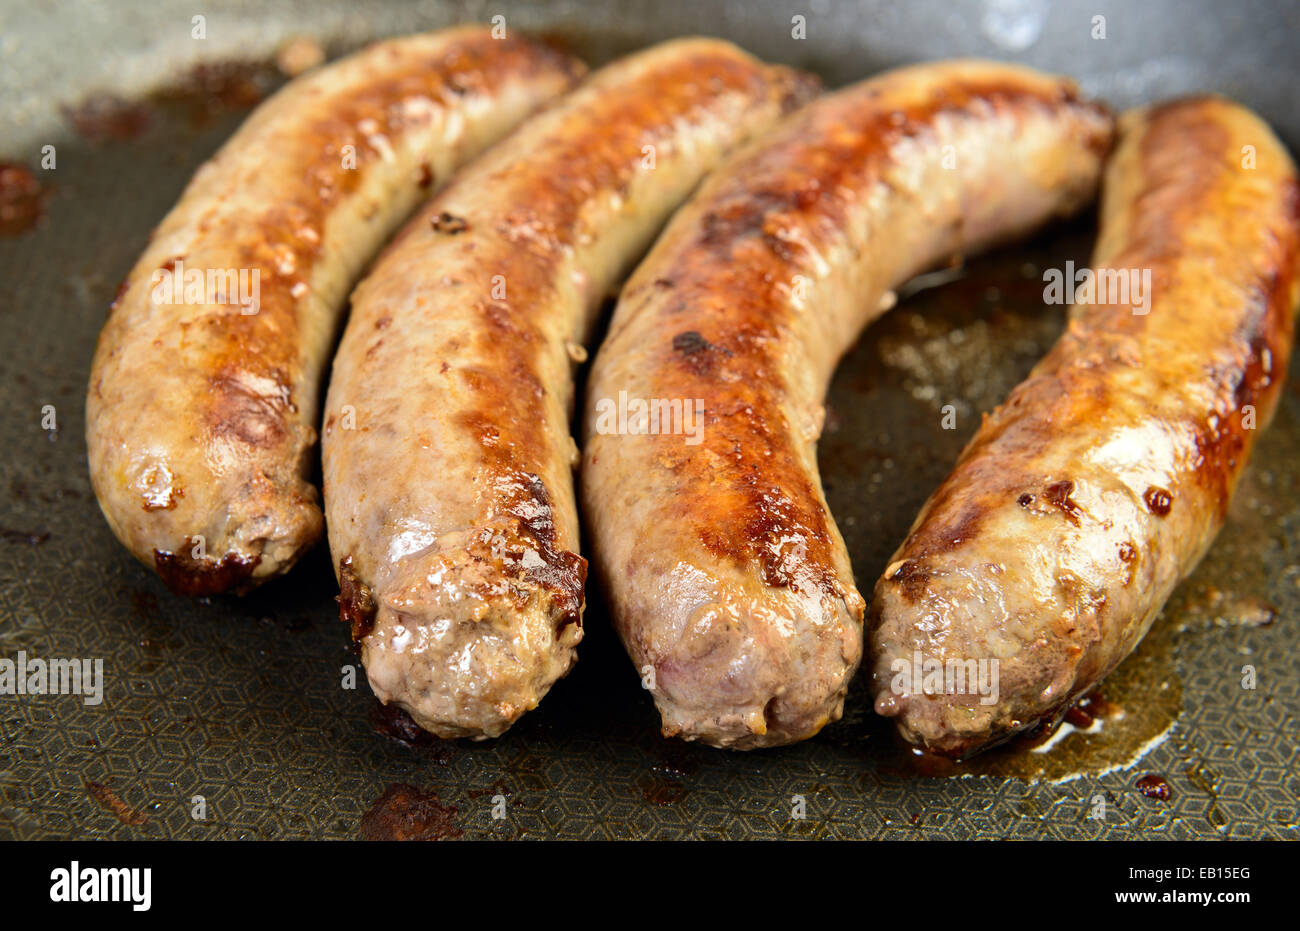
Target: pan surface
{"x":241,"y":702}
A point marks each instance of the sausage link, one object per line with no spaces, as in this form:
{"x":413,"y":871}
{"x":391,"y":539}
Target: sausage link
{"x":729,"y":582}
{"x":1103,"y":478}
{"x":449,"y":493}
{"x":202,"y":405}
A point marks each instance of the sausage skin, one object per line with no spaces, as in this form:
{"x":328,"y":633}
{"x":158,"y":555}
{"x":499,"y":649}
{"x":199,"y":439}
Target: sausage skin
{"x":202,"y":405}
{"x":447,"y":452}
{"x":1103,"y":478}
{"x":729,"y":582}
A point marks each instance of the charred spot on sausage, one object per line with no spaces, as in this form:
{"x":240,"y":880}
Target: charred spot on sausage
{"x":1158,"y":501}
{"x":690,"y":342}
{"x":561,"y":572}
{"x":357,"y":606}
{"x":447,"y":223}
{"x":186,"y":575}
{"x":1058,"y":495}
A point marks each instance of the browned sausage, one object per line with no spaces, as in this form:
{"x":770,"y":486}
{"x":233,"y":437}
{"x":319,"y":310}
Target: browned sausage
{"x":448,"y":457}
{"x":201,"y":412}
{"x":730,"y":585}
{"x":1102,"y":480}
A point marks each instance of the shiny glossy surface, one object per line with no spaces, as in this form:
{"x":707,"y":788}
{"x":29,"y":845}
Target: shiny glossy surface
{"x":201,"y":414}
{"x":453,"y":496}
{"x":727,"y":575}
{"x":1101,"y":481}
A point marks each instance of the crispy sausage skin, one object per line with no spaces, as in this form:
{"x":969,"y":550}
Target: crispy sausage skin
{"x":728,"y":578}
{"x":1102,"y":479}
{"x":202,"y":405}
{"x":447,"y":452}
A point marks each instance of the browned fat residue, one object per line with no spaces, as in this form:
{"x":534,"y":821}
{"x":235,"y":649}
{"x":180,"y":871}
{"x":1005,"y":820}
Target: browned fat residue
{"x":394,"y":722}
{"x":1153,"y":786}
{"x":110,"y":800}
{"x":1089,"y":709}
{"x":676,"y":760}
{"x":186,"y":575}
{"x":22,"y":199}
{"x":763,"y":507}
{"x":425,"y":177}
{"x":357,"y":607}
{"x":108,"y":118}
{"x":209,"y":88}
{"x":1080,"y":714}
{"x":405,"y":812}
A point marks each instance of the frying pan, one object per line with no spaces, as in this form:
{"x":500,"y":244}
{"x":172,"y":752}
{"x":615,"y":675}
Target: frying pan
{"x":240,"y":701}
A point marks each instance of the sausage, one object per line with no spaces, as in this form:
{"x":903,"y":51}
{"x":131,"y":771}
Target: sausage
{"x":729,"y":582}
{"x":200,"y":417}
{"x":1102,"y":479}
{"x":447,"y":453}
